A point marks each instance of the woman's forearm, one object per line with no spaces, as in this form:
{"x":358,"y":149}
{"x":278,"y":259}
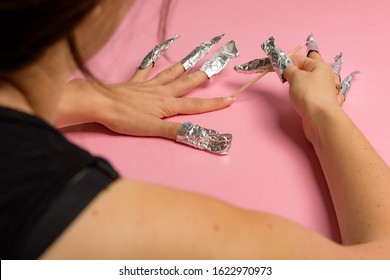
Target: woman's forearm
{"x":358,"y":178}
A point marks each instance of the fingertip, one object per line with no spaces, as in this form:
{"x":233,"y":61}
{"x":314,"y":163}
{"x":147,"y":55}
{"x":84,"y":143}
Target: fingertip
{"x":315,"y":55}
{"x":141,"y":74}
{"x":229,"y":99}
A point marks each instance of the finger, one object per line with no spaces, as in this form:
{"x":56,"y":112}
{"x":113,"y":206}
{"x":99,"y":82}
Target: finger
{"x":290,"y":72}
{"x":315,"y":55}
{"x":340,"y":99}
{"x":168,"y":75}
{"x":187,"y":106}
{"x":141,"y":75}
{"x":337,"y":80}
{"x":184,"y":85}
{"x":163,"y":128}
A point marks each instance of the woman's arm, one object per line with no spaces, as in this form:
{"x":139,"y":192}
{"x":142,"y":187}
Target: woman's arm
{"x":358,"y":179}
{"x":137,"y":220}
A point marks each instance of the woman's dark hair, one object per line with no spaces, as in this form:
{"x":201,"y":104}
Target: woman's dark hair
{"x":28,"y":27}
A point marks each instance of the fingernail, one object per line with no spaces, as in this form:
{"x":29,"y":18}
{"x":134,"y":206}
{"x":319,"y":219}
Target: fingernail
{"x":338,"y":61}
{"x":154,"y":54}
{"x":279,"y":59}
{"x":199,"y":52}
{"x":230,"y":98}
{"x":311,"y":45}
{"x":204,"y":138}
{"x":347,"y":83}
{"x":259,"y":65}
{"x":220,"y":59}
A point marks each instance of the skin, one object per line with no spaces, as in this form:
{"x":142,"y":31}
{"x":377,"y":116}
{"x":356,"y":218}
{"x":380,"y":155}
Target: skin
{"x":146,"y":221}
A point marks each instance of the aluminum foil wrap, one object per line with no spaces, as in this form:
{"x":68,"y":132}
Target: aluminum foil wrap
{"x":347,"y":82}
{"x":199,"y":52}
{"x":279,"y":59}
{"x":259,"y":65}
{"x":204,"y":139}
{"x":338,"y":61}
{"x":311,"y":45}
{"x":220,"y":58}
{"x":154,"y":54}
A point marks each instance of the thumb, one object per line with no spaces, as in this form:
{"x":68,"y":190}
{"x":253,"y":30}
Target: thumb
{"x":290,"y":72}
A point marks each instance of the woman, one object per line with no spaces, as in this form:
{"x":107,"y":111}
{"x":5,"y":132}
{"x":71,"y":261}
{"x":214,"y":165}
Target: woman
{"x":58,"y":201}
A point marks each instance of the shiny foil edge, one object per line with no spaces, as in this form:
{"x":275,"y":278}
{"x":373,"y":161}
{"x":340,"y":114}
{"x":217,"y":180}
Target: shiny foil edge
{"x":338,"y":61}
{"x":217,"y":62}
{"x":156,"y":52}
{"x":347,"y":82}
{"x":199,"y":52}
{"x":279,"y":59}
{"x":259,"y":65}
{"x":311,"y":45}
{"x":204,"y":138}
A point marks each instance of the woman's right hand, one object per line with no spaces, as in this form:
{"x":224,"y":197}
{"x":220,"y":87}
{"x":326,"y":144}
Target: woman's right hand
{"x":313,"y":89}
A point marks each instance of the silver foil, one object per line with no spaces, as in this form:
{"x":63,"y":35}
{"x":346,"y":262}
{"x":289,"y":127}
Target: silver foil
{"x":220,"y":58}
{"x":311,"y":45}
{"x":338,"y":61}
{"x":199,"y":52}
{"x":154,"y":54}
{"x":279,"y":59}
{"x":259,"y":65}
{"x":347,"y":82}
{"x":204,"y":139}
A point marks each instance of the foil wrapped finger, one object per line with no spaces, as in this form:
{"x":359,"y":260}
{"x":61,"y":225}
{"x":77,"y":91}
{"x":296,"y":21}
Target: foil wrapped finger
{"x":204,"y":139}
{"x":311,"y":45}
{"x":157,"y":51}
{"x":279,"y":59}
{"x":217,"y":62}
{"x":259,"y":65}
{"x":199,"y":52}
{"x":347,"y":83}
{"x":338,"y":61}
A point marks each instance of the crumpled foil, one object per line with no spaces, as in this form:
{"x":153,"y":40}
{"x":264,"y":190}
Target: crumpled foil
{"x":204,"y":139}
{"x":154,"y":54}
{"x":279,"y":59}
{"x":338,"y":61}
{"x":259,"y":65}
{"x":311,"y":45}
{"x":347,"y":82}
{"x":220,"y":58}
{"x":199,"y":52}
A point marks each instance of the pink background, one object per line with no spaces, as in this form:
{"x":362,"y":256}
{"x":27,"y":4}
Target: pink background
{"x":270,"y":167}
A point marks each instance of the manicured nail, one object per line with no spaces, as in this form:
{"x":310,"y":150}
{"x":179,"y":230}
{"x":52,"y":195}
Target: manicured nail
{"x":259,"y":65}
{"x":338,"y":61}
{"x":199,"y":52}
{"x":311,"y":45}
{"x":154,"y":54}
{"x":279,"y":59}
{"x":220,"y":59}
{"x":347,"y":83}
{"x":230,"y":98}
{"x":204,"y":138}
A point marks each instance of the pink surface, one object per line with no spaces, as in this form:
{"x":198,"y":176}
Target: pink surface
{"x":270,"y":167}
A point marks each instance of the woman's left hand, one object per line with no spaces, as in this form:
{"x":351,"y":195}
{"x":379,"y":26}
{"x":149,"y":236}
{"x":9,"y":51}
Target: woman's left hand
{"x":138,"y":107}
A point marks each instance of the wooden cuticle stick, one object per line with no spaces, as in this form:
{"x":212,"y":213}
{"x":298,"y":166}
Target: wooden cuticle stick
{"x":251,"y":82}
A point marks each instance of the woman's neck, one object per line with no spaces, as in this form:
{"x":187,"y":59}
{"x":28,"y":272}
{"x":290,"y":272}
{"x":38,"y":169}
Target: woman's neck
{"x":36,"y":89}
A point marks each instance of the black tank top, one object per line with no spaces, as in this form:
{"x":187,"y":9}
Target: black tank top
{"x":45,"y":182}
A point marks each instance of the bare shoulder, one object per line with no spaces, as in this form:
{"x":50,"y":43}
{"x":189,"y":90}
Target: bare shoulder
{"x":138,"y":220}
